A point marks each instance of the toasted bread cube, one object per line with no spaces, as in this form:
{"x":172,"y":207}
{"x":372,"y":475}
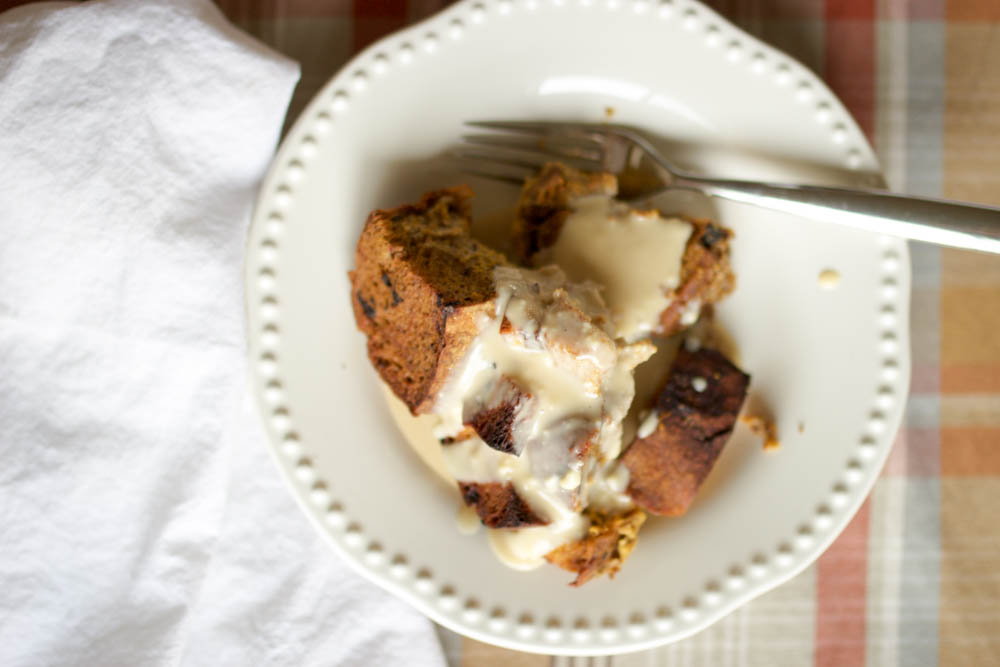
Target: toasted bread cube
{"x":695,"y":415}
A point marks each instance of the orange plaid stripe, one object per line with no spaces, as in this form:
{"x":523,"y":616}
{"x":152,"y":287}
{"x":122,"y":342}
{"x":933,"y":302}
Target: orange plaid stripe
{"x":987,"y":11}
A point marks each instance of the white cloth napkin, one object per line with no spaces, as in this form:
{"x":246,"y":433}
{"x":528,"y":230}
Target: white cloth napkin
{"x":141,"y":521}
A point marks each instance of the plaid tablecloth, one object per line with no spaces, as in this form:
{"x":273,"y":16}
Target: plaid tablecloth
{"x":915,"y":578}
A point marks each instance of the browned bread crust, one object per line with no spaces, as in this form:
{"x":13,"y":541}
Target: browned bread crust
{"x":494,"y":420}
{"x":667,"y":467}
{"x":706,"y":275}
{"x":608,"y":542}
{"x":498,"y":505}
{"x":544,"y":205}
{"x":419,"y":282}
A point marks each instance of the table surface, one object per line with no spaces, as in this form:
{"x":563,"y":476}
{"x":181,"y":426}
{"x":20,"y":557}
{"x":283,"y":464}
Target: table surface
{"x":915,"y":578}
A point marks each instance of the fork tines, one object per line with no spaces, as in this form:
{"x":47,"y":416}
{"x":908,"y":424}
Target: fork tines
{"x":515,"y":150}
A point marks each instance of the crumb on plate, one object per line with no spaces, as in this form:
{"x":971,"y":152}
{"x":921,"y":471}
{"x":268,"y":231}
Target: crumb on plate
{"x":764,"y":428}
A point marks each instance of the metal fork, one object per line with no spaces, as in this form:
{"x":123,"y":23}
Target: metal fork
{"x":510,"y":151}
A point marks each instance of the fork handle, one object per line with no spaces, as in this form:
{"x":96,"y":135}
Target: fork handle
{"x":918,"y":218}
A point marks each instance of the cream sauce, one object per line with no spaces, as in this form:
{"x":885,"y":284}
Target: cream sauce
{"x":473,"y":460}
{"x":606,"y":491}
{"x":829,"y":279}
{"x":563,"y":387}
{"x":635,"y":255}
{"x":525,"y":548}
{"x":649,"y":378}
{"x":558,"y":348}
{"x":691,"y":312}
{"x":419,"y":433}
{"x":647,"y":424}
{"x":467,"y":521}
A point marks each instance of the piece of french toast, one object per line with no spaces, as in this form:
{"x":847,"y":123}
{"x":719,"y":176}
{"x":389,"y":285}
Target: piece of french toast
{"x":695,"y":413}
{"x":547,"y":200}
{"x":608,"y":542}
{"x":419,"y":283}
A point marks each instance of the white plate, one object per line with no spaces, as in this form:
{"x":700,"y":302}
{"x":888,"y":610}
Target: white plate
{"x":835,"y":361}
